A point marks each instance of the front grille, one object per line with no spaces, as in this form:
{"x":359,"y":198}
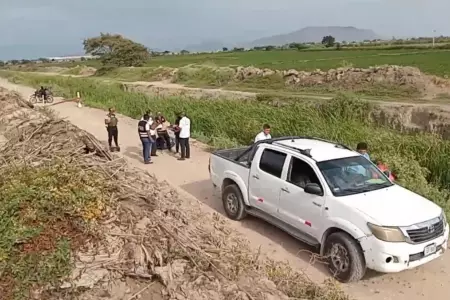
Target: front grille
{"x":426,"y":233}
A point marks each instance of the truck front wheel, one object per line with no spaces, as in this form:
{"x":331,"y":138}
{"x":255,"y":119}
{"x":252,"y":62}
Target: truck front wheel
{"x":345,"y":257}
{"x":233,"y":202}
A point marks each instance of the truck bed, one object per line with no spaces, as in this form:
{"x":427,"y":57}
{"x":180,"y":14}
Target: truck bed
{"x":231,"y":154}
{"x":231,"y":162}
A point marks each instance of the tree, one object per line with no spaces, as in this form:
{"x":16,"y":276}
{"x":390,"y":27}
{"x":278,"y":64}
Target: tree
{"x":116,"y":50}
{"x":328,"y":41}
{"x":184,"y":52}
{"x":224,"y":49}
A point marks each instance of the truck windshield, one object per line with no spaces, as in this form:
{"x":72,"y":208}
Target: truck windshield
{"x":352,"y":175}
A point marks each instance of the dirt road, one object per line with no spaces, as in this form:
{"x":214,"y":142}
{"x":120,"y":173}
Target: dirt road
{"x":192,"y":177}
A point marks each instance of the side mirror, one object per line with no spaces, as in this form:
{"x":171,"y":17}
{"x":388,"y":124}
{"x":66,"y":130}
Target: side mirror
{"x":314,"y":189}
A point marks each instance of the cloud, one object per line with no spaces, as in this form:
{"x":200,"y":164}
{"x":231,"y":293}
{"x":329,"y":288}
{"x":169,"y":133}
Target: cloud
{"x":175,"y":23}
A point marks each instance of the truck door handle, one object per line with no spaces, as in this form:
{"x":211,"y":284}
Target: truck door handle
{"x":255,"y":176}
{"x":317,"y":204}
{"x":285,"y":190}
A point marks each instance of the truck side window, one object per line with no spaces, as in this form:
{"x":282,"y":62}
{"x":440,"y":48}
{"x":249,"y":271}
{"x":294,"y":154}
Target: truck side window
{"x":301,"y":173}
{"x":272,"y":162}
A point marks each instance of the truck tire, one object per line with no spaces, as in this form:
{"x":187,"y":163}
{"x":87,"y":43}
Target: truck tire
{"x":233,"y":202}
{"x":345,"y":258}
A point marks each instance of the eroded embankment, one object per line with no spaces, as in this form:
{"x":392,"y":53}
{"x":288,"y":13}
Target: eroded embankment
{"x":81,"y":218}
{"x":405,"y":117}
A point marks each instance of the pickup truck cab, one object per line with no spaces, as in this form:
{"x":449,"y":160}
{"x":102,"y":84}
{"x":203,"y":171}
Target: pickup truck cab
{"x":328,"y":196}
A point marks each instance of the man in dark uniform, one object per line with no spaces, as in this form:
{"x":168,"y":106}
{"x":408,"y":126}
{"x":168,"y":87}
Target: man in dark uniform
{"x":176,"y":131}
{"x":146,"y":140}
{"x":111,"y":126}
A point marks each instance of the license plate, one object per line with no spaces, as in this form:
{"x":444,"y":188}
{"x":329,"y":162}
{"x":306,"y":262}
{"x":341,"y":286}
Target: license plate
{"x":430,"y":249}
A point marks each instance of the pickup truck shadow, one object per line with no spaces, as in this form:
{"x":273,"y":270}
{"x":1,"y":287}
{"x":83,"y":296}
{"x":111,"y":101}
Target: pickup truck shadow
{"x":205,"y":192}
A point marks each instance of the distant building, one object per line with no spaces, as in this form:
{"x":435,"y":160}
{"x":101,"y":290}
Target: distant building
{"x":71,"y":58}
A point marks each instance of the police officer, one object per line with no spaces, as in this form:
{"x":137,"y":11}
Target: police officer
{"x":111,"y":126}
{"x":146,"y":138}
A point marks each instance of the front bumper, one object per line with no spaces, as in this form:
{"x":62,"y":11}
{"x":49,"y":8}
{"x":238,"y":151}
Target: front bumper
{"x":395,"y":257}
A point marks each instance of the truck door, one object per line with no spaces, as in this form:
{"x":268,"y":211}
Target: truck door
{"x":265,"y":179}
{"x":296,"y":207}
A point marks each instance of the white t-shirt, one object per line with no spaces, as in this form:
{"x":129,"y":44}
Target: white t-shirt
{"x":154,"y":131}
{"x":185,"y":125}
{"x":261,"y":136}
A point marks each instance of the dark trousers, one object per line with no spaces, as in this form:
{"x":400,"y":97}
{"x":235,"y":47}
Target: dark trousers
{"x":113,"y":133}
{"x":177,"y":142}
{"x":185,"y":148}
{"x":153,"y":150}
{"x":165,"y":136}
{"x":146,"y":148}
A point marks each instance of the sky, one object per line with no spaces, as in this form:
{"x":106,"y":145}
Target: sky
{"x":41,"y":28}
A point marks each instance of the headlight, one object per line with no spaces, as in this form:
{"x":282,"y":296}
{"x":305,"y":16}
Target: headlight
{"x":387,"y":234}
{"x":444,"y":217}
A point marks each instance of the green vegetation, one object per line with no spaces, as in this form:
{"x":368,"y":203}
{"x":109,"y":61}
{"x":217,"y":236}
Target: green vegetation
{"x":429,"y":61}
{"x":37,"y":208}
{"x":208,"y":76}
{"x":421,"y":161}
{"x":433,"y":62}
{"x":115,"y":50}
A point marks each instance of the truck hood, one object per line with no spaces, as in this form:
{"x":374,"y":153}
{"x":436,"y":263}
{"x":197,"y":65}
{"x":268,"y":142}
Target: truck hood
{"x":394,"y":206}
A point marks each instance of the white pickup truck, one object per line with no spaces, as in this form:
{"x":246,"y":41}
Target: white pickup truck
{"x":331,"y":197}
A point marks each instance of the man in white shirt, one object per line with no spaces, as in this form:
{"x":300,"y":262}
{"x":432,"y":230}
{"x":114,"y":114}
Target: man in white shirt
{"x":185,"y":134}
{"x":150,"y":119}
{"x":264,"y":134}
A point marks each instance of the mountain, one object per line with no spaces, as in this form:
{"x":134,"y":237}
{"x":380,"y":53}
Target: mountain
{"x":315,"y":34}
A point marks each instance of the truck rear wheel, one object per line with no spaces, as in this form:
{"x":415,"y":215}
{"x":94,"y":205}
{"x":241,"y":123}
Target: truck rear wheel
{"x":233,"y":202}
{"x":345,"y":257}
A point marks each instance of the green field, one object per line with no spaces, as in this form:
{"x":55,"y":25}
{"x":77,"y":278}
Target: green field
{"x":421,"y":161}
{"x":433,"y":62}
{"x":430,"y":61}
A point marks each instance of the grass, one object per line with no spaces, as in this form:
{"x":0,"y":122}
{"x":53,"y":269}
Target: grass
{"x":37,"y":232}
{"x":223,"y":77}
{"x":429,"y":61}
{"x":421,"y":161}
{"x":433,"y":62}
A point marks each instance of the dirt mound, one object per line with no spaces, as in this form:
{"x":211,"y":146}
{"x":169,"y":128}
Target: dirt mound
{"x":348,"y":78}
{"x":87,"y":71}
{"x":132,"y":226}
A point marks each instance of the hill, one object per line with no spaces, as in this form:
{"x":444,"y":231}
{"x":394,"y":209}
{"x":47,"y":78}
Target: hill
{"x":315,"y":34}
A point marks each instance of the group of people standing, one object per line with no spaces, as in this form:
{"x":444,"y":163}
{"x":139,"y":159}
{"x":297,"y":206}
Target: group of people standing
{"x":154,"y":133}
{"x":153,"y":130}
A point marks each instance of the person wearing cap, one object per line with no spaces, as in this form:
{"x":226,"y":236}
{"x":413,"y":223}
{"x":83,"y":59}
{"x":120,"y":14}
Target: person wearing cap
{"x":111,"y":127}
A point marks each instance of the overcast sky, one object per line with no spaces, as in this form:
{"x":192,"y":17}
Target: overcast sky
{"x":57,"y":27}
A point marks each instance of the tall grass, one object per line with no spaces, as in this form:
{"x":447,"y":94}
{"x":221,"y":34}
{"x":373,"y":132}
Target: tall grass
{"x":421,"y":161}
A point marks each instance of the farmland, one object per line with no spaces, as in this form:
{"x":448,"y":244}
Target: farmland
{"x":434,"y":62}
